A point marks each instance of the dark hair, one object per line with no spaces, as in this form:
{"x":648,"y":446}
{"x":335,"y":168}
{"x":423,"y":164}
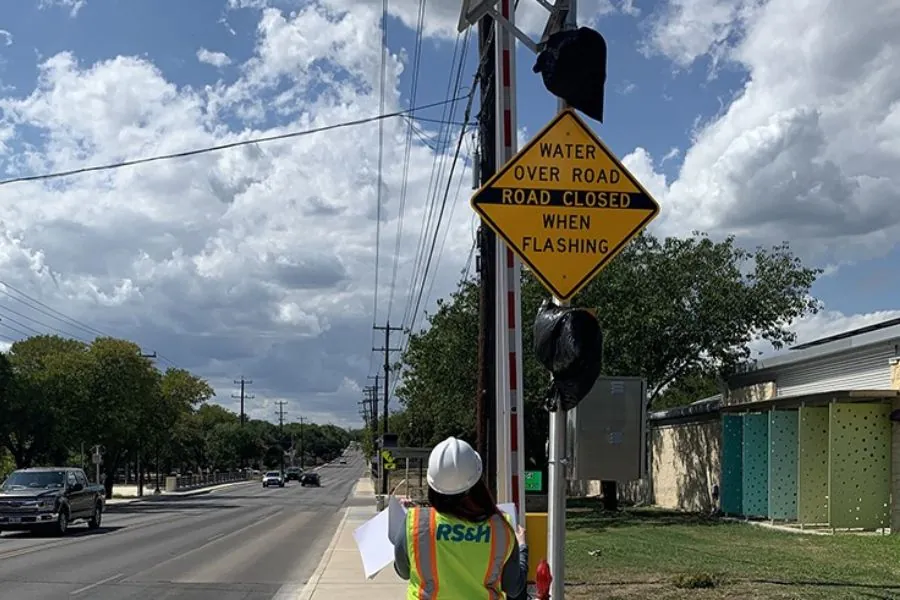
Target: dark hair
{"x":475,"y":505}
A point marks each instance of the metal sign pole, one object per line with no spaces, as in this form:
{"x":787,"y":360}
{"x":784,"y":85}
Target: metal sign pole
{"x":556,"y":498}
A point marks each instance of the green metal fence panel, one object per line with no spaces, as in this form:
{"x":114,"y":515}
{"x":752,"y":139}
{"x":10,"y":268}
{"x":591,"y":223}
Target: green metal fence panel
{"x":730,"y":495}
{"x":812,"y":467}
{"x":859,"y":482}
{"x":783,"y":442}
{"x":755,"y":480}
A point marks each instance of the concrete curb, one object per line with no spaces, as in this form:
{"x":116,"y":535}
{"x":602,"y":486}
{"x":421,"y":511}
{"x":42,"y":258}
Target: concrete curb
{"x":313,"y":582}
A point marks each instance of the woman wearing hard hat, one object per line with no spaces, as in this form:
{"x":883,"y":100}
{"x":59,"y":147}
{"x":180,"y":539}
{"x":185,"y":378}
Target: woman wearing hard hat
{"x":461,"y":547}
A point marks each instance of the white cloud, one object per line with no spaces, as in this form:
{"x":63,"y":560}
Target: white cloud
{"x":441,"y":18}
{"x":832,"y":322}
{"x":6,"y":37}
{"x":807,"y":150}
{"x":255,"y":260}
{"x":216,"y":59}
{"x":73,"y":5}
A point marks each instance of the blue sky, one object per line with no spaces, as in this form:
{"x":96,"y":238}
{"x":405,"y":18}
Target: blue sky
{"x":737,"y":123}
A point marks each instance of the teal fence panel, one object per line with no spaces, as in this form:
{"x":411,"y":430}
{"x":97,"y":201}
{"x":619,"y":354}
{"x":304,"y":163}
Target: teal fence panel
{"x":755,"y":480}
{"x":730,"y":495}
{"x":783,"y":450}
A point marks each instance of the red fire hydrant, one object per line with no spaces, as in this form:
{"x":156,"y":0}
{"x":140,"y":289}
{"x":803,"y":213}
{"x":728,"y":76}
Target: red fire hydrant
{"x":543,"y":578}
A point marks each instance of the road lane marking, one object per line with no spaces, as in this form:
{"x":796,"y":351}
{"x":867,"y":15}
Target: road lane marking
{"x":98,"y":584}
{"x":211,"y":541}
{"x":215,"y":537}
{"x":83,"y":537}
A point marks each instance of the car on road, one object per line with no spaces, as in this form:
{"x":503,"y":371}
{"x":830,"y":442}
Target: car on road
{"x":310,"y":479}
{"x":293,"y":474}
{"x":273,"y":478}
{"x":49,"y":498}
{"x":343,"y":461}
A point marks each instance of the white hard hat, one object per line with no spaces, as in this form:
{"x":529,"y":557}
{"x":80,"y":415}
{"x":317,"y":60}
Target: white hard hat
{"x":453,"y":467}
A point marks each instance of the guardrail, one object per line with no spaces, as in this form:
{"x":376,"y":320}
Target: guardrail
{"x":180,"y":483}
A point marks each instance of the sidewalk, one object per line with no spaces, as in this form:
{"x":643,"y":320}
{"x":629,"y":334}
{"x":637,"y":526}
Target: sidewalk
{"x":340,"y":573}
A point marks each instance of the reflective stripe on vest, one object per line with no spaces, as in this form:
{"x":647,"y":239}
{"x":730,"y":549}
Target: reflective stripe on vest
{"x":448,"y":554}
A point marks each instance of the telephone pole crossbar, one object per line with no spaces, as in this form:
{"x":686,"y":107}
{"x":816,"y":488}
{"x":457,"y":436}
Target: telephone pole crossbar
{"x":386,"y":349}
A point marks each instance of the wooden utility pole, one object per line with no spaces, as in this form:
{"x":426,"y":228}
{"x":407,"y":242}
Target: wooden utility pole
{"x":243,"y":383}
{"x":386,"y":349}
{"x":485,"y":401}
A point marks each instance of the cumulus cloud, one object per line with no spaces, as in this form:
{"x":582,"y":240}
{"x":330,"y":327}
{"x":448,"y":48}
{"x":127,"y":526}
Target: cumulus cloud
{"x":441,"y":18}
{"x":216,"y":59}
{"x":6,"y":37}
{"x":254,"y":260}
{"x":807,"y":150}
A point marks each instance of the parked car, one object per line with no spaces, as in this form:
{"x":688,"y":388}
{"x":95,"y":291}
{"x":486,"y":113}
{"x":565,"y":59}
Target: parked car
{"x":273,"y":478}
{"x":293,"y":474}
{"x":310,"y":479}
{"x":49,"y":498}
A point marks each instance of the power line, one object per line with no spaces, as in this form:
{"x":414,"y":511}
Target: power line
{"x":208,"y":149}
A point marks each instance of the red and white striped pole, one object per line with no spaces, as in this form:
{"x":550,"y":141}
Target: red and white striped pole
{"x":510,"y":411}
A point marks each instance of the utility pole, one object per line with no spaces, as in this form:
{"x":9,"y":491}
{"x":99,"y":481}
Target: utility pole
{"x":372,"y":399}
{"x":281,"y":404}
{"x":243,"y":383}
{"x":386,"y":349}
{"x":485,"y":402}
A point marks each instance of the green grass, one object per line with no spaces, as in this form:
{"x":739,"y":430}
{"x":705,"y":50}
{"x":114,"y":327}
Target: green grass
{"x":644,"y":553}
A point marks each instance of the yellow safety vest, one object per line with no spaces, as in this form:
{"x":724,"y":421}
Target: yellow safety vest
{"x":452,"y":559}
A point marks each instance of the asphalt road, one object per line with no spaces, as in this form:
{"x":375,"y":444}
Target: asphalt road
{"x":238,"y":543}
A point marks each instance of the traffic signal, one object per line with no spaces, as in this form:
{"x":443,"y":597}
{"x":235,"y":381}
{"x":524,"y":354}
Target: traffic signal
{"x":568,"y":343}
{"x":573,"y":67}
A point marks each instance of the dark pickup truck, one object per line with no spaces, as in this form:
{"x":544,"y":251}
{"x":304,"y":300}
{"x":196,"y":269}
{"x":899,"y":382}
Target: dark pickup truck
{"x":51,"y":498}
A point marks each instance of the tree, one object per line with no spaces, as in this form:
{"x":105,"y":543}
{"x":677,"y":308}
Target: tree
{"x":124,"y":394}
{"x":691,"y":386}
{"x":439,"y":372}
{"x":178,"y":393}
{"x":40,"y":383}
{"x":671,"y":310}
{"x":686,"y":305}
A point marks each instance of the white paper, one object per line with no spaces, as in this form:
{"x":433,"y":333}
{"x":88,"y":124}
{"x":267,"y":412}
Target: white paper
{"x":375,"y":548}
{"x":510,"y":509}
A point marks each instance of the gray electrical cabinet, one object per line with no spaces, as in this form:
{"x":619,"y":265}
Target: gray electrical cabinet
{"x":606,"y":432}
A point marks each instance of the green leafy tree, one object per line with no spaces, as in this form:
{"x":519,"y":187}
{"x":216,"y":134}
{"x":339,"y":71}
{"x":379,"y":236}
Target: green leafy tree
{"x":124,"y":392}
{"x":670,"y":310}
{"x":42,"y":384}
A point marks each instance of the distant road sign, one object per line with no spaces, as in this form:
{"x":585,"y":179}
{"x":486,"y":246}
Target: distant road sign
{"x":565,"y":205}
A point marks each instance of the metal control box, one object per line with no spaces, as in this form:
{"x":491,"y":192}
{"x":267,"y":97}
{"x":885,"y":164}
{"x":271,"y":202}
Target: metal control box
{"x":606,"y":433}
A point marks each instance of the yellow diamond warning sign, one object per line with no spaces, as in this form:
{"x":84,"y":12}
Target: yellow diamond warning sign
{"x":565,"y":205}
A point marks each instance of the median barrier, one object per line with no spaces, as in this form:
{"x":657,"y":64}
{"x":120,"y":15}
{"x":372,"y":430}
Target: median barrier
{"x":182,"y":483}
